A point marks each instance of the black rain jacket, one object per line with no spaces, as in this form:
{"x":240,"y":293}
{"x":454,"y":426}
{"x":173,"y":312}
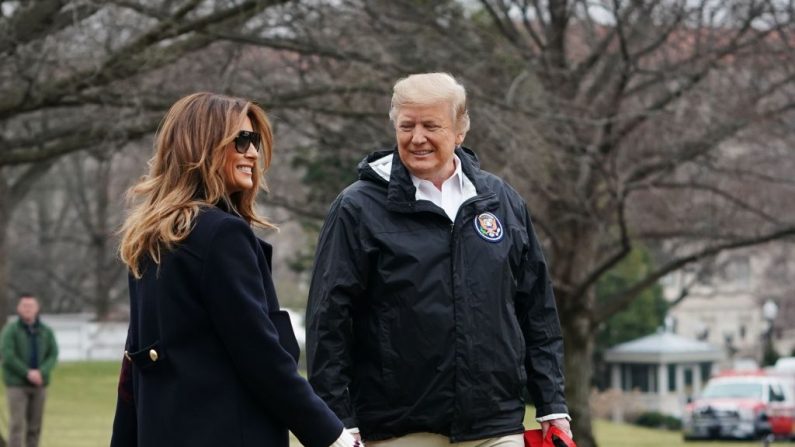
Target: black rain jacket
{"x":419,"y":324}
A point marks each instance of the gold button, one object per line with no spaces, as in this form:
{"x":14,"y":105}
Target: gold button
{"x":127,"y":356}
{"x":153,"y":355}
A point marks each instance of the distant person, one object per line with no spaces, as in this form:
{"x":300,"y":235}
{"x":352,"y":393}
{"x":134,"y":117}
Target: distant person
{"x":210,"y":358}
{"x":431,"y":307}
{"x":29,"y":354}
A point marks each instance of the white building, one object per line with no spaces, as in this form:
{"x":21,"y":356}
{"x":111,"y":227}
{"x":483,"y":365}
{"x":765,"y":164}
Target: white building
{"x":659,"y":372}
{"x":726,"y":305}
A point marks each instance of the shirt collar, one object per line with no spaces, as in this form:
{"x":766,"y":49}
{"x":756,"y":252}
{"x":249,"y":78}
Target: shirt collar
{"x":457,"y":172}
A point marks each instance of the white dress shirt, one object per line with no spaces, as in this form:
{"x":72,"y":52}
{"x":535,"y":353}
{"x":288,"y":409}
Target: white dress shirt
{"x":456,"y":190}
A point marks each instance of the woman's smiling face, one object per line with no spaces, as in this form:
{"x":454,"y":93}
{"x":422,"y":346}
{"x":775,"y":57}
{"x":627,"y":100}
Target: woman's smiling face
{"x":239,"y":169}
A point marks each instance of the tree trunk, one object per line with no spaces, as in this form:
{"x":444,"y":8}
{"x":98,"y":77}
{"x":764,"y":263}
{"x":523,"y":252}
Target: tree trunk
{"x":577,"y":251}
{"x":579,"y":342}
{"x":104,"y":274}
{"x":6,"y":300}
{"x":102,"y":282}
{"x":5,"y":296}
{"x":5,"y":219}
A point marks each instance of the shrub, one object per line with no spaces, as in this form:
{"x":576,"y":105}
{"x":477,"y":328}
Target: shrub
{"x":656,"y":419}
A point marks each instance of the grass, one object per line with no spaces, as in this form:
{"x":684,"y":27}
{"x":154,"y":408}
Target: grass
{"x":609,"y":434}
{"x":82,"y":398}
{"x":80,"y":404}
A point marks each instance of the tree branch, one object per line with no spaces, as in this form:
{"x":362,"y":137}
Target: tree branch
{"x":621,"y":252}
{"x":504,"y":22}
{"x":727,"y":196}
{"x":75,"y":141}
{"x":620,"y":300}
{"x":137,"y":56}
{"x":36,"y":19}
{"x":22,"y":185}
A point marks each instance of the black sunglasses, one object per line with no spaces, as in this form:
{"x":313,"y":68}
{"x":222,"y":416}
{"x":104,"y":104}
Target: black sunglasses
{"x":244,"y":139}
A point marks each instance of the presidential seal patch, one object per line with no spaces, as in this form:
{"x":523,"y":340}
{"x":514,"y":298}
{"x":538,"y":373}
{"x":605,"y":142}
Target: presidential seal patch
{"x":488,"y":227}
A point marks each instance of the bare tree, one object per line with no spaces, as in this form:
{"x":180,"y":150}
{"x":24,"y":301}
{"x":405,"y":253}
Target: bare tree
{"x":666,"y":122}
{"x":83,"y":74}
{"x":64,"y":240}
{"x":618,"y":121}
{"x":658,"y":121}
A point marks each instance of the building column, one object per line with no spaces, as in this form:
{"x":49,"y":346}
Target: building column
{"x":616,"y":412}
{"x":680,"y":379}
{"x":696,"y":379}
{"x":615,"y":376}
{"x":662,"y":379}
{"x":626,"y":377}
{"x":650,"y":385}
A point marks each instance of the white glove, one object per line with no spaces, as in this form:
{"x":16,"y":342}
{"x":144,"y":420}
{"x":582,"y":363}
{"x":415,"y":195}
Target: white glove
{"x":346,"y":440}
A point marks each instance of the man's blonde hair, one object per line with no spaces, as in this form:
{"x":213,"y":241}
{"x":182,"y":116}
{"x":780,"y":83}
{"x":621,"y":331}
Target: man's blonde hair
{"x":428,"y":89}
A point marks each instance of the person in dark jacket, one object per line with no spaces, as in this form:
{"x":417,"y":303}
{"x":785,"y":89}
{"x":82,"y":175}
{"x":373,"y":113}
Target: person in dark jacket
{"x":210,"y":358}
{"x":29,"y":354}
{"x":431,"y":309}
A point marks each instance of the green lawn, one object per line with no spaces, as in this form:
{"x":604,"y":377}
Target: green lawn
{"x":609,"y":434}
{"x":623,"y":435}
{"x":82,"y":398}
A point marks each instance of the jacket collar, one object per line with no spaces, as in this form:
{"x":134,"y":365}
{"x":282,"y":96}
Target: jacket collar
{"x":226,"y":206}
{"x":35,"y":325}
{"x":401,"y":192}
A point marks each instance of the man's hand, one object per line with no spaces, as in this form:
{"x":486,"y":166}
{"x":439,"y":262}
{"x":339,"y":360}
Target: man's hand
{"x":562,"y":424}
{"x":34,"y":377}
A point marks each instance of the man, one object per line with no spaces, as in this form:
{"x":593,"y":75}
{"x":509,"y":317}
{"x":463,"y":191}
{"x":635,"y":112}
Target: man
{"x":430,"y":308}
{"x":29,"y":354}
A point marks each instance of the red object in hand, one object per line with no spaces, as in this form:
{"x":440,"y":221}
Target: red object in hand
{"x":555,"y":438}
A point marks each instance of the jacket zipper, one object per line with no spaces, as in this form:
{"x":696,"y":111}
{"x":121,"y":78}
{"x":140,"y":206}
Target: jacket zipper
{"x":453,"y":282}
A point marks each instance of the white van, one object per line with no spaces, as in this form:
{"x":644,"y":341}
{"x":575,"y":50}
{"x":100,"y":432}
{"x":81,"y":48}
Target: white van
{"x":741,"y":407}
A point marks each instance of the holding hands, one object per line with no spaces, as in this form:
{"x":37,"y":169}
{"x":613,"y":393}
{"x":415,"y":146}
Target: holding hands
{"x":348,"y":439}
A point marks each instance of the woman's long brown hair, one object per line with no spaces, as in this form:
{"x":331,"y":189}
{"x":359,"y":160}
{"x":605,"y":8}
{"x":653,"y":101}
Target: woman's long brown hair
{"x":185,"y":174}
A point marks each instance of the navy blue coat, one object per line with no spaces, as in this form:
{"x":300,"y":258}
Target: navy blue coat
{"x":225,"y":372}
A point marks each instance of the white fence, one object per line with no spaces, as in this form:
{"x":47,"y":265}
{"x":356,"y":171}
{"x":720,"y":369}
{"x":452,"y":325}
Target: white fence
{"x":79,"y":338}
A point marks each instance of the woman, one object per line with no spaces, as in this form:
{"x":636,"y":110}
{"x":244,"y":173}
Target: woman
{"x":210,"y":359}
